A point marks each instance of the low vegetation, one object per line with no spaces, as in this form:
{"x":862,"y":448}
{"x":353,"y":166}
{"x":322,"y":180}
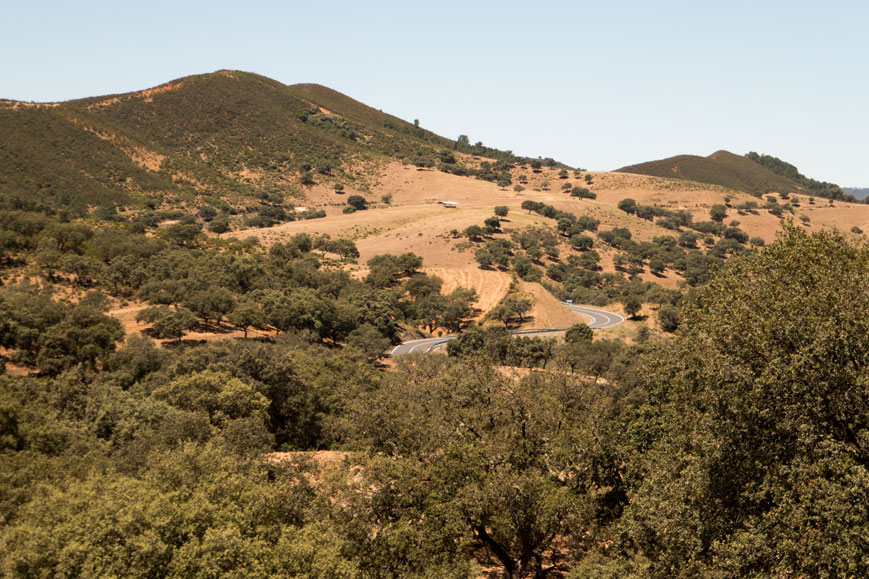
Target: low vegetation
{"x":735,"y":448}
{"x":242,"y":420}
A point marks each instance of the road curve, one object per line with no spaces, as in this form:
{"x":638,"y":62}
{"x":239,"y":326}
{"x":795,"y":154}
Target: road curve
{"x":599,"y":319}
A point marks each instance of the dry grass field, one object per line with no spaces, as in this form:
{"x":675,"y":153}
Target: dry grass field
{"x":413,"y":221}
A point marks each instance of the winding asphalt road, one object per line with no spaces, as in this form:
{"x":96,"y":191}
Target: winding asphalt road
{"x":599,"y":319}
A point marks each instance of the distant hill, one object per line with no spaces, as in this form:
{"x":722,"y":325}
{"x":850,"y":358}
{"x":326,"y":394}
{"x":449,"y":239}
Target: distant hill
{"x":818,"y":188}
{"x":858,"y":192}
{"x":754,"y":174}
{"x":720,"y":168}
{"x":230,"y":135}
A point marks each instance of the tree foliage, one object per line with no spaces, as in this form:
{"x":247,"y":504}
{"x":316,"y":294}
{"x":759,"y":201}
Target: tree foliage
{"x":578,"y":334}
{"x":472,"y":458}
{"x":758,"y":414}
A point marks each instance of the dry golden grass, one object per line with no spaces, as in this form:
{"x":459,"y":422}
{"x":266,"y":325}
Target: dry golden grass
{"x":414,"y":222}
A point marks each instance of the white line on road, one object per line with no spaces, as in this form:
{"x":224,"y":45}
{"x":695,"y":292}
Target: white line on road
{"x":599,"y":319}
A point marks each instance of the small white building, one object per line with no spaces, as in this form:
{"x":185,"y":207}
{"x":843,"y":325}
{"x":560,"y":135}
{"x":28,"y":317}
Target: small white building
{"x":448,"y":204}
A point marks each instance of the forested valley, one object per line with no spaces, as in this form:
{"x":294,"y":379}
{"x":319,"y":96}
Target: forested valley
{"x":738,"y":447}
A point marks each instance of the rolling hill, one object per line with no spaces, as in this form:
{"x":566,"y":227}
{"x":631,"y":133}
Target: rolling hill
{"x":857,"y":192}
{"x":753,"y":174}
{"x":228,"y":135}
{"x":247,"y":153}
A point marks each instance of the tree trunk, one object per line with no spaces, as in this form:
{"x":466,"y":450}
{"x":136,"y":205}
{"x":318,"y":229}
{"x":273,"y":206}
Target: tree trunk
{"x":512,"y":569}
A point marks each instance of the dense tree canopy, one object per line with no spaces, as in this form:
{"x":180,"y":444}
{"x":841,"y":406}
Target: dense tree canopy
{"x":752,"y":452}
{"x":473,"y":457}
{"x":735,"y":447}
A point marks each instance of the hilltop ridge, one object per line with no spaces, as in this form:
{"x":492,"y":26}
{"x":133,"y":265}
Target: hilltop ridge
{"x":720,"y":168}
{"x":750,"y":173}
{"x":229,"y":135}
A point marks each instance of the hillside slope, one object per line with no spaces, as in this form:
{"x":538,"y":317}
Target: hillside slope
{"x":785,"y":169}
{"x":720,"y":168}
{"x":229,"y":135}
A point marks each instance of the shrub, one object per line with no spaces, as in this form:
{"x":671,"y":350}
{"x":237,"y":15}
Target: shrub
{"x":219,"y":226}
{"x":668,"y":318}
{"x":718,"y":213}
{"x":628,"y":205}
{"x":581,"y":242}
{"x":474,"y":232}
{"x":358,"y":202}
{"x":632,"y":305}
{"x":578,"y":333}
{"x":207,"y":212}
{"x":582,"y":193}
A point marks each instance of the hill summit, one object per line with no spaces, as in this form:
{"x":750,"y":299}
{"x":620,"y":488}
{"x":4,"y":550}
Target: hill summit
{"x":754,"y":174}
{"x":228,"y":135}
{"x":720,"y":168}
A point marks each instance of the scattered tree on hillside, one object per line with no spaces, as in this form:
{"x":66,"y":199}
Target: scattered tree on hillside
{"x":210,"y":304}
{"x":632,"y":305}
{"x":578,"y":333}
{"x":358,"y":202}
{"x":246,"y":315}
{"x":668,"y":318}
{"x":718,"y":213}
{"x":628,"y":205}
{"x":511,"y":308}
{"x":306,"y":178}
{"x":207,"y":212}
{"x":219,"y":225}
{"x":582,"y":193}
{"x":168,"y":323}
{"x":474,"y":232}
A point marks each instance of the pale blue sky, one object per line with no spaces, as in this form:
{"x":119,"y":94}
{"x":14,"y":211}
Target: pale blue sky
{"x":595,"y":84}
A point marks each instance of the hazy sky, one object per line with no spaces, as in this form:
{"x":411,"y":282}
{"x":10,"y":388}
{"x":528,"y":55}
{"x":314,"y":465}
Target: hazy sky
{"x":596,"y":84}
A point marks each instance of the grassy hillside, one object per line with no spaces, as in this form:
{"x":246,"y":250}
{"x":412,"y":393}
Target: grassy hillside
{"x":230,"y":135}
{"x":819,"y":188}
{"x":720,"y":168}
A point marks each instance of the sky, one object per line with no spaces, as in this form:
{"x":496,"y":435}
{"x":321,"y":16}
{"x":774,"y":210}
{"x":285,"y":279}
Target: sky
{"x":595,"y":84}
